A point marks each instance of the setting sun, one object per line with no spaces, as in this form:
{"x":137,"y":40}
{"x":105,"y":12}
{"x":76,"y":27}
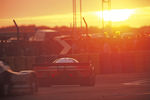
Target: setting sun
{"x":60,"y":13}
{"x":116,"y":15}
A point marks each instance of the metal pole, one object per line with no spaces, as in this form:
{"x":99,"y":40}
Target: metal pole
{"x":108,"y":4}
{"x":87,"y":38}
{"x":103,"y":15}
{"x":73,"y":26}
{"x":86,"y":27}
{"x":18,"y":33}
{"x":74,"y":23}
{"x":110,"y":22}
{"x":75,"y":14}
{"x":81,"y":13}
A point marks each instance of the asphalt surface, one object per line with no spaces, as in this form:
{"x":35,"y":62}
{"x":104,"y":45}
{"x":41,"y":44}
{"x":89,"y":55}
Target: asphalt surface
{"x":129,"y":86}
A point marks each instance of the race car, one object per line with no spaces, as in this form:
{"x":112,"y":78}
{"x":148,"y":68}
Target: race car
{"x":11,"y":81}
{"x":65,"y":71}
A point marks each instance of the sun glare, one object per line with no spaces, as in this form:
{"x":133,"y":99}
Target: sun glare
{"x":116,"y":15}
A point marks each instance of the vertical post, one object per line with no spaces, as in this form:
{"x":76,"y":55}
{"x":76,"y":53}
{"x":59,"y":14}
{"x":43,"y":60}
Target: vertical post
{"x":106,"y":4}
{"x":103,"y":15}
{"x":74,"y":7}
{"x":18,"y":35}
{"x":73,"y":13}
{"x":81,"y":13}
{"x":74,"y":23}
{"x":87,"y":38}
{"x":86,"y":27}
{"x":74,"y":16}
{"x":109,"y":7}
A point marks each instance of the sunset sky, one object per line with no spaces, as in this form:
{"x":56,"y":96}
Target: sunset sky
{"x":135,"y":13}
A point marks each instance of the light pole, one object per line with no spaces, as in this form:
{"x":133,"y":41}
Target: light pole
{"x":18,"y":32}
{"x":106,"y":5}
{"x":81,"y":13}
{"x":74,"y":14}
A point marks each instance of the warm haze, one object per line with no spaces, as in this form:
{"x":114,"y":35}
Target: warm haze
{"x":133,"y":13}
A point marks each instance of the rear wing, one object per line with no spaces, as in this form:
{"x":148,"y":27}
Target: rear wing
{"x":61,"y":64}
{"x":64,"y":66}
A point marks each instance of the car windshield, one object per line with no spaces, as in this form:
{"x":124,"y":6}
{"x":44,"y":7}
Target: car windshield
{"x":65,"y":60}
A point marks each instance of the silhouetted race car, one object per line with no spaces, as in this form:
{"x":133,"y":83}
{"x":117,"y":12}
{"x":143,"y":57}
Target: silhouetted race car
{"x":11,"y":82}
{"x":65,"y":71}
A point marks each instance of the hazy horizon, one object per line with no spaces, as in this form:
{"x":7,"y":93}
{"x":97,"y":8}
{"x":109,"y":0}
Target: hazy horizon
{"x":133,"y":13}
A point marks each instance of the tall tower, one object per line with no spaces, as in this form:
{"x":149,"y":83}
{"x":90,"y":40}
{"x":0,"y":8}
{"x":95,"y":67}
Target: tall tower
{"x":74,"y":15}
{"x":81,"y":13}
{"x":106,"y":5}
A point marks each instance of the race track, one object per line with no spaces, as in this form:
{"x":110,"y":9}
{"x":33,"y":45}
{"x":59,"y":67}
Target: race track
{"x":129,"y":86}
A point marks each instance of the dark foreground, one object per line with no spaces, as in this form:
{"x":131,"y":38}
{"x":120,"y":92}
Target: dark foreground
{"x":108,"y":87}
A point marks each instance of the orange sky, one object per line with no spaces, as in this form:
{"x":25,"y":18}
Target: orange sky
{"x":59,"y":12}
